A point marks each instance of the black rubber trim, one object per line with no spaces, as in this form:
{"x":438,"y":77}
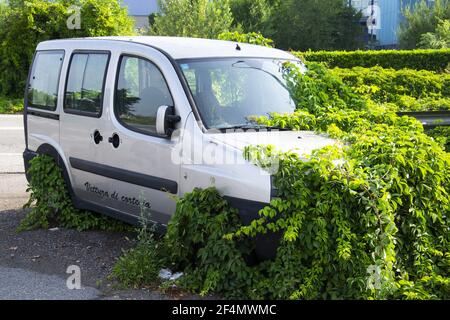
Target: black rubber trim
{"x":273,"y":188}
{"x":139,"y":179}
{"x":115,"y":214}
{"x":47,"y":115}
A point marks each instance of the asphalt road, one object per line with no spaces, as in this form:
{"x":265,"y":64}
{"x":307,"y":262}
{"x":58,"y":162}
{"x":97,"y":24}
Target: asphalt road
{"x":33,"y":264}
{"x":13,"y":184}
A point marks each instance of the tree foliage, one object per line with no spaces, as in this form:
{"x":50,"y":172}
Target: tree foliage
{"x":252,"y":38}
{"x":315,"y":25}
{"x":440,"y":39}
{"x":421,"y":19}
{"x":252,"y":15}
{"x":26,"y":23}
{"x":192,"y":18}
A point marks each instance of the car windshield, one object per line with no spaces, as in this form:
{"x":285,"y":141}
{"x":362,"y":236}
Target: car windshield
{"x":230,"y":93}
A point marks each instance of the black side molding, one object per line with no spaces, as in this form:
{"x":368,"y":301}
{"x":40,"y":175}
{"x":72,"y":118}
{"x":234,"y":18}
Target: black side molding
{"x":273,"y":188}
{"x":139,"y":179}
{"x":41,"y":114}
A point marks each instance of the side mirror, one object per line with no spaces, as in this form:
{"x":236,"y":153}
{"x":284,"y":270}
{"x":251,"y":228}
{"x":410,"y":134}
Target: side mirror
{"x":166,"y":120}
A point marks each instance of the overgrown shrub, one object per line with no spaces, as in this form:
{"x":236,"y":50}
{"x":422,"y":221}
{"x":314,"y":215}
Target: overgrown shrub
{"x":140,"y":265}
{"x":195,"y":243}
{"x":432,"y":60}
{"x":51,"y":205}
{"x":10,"y":106}
{"x":441,"y":135}
{"x":365,"y":219}
{"x":252,"y":38}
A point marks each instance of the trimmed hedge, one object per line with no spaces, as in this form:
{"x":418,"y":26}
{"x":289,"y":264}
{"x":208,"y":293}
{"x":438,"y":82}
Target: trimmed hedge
{"x":433,"y":60}
{"x":11,"y":105}
{"x":410,"y":90}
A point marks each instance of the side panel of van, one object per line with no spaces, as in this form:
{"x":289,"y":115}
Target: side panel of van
{"x":116,"y":160}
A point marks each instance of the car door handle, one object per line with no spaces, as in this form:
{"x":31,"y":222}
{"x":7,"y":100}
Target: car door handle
{"x":97,"y":137}
{"x":114,"y":140}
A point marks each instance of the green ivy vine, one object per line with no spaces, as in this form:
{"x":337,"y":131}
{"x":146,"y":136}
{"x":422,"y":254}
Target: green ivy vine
{"x":365,"y":219}
{"x":50,"y":203}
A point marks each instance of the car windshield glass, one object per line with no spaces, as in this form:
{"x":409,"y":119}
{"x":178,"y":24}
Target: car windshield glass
{"x":230,"y":93}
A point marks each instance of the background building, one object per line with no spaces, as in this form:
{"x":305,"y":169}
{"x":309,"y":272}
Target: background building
{"x":140,"y":10}
{"x":385,"y":17}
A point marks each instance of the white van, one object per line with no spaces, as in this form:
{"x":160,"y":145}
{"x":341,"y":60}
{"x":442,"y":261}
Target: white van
{"x":133,"y":121}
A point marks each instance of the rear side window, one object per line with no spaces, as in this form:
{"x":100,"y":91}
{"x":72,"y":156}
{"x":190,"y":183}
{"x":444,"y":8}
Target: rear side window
{"x":44,"y":80}
{"x":141,"y":90}
{"x":85,"y":84}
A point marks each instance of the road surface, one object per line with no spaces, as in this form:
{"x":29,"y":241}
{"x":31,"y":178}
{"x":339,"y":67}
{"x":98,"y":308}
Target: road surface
{"x":13,"y":184}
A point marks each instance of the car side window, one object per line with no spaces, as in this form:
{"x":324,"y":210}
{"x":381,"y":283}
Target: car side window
{"x":85,"y":84}
{"x":44,"y":80}
{"x":141,"y":89}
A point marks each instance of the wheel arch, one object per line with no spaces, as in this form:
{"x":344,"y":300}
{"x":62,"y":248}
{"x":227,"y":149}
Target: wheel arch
{"x":50,"y":150}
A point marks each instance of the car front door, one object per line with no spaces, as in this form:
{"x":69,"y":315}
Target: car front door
{"x":137,"y":162}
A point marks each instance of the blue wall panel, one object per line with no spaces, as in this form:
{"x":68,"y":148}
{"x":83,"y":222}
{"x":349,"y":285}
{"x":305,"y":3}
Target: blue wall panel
{"x":390,"y":19}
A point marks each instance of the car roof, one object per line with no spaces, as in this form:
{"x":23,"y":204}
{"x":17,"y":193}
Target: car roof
{"x":183,"y":48}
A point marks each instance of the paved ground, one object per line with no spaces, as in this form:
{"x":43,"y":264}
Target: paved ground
{"x":33,"y":264}
{"x":13,"y":184}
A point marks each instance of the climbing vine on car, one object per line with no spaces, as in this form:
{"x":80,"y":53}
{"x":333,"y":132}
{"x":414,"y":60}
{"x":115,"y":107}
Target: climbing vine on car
{"x":50,"y":203}
{"x":368,"y":218}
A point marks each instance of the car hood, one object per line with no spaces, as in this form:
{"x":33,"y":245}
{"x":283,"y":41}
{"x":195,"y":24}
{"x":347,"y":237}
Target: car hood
{"x":300,"y":142}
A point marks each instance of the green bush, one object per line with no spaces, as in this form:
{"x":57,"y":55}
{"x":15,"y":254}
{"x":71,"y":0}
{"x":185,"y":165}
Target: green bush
{"x":195,"y":243}
{"x":365,"y":219}
{"x":51,"y":204}
{"x":432,"y":60}
{"x":252,"y":38}
{"x":26,"y":23}
{"x":441,"y":135}
{"x":10,"y":106}
{"x":140,"y":265}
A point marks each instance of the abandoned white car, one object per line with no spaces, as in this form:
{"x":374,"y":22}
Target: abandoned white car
{"x":134,"y":121}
